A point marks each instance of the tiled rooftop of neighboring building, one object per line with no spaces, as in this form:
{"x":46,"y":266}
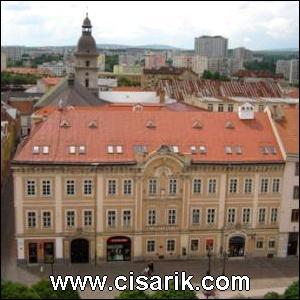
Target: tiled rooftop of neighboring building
{"x":288,"y":128}
{"x":152,"y":128}
{"x":257,"y":74}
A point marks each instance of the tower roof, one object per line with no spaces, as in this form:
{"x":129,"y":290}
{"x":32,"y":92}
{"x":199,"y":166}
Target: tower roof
{"x":87,"y":22}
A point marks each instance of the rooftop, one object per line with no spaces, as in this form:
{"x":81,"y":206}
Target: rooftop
{"x":98,"y":128}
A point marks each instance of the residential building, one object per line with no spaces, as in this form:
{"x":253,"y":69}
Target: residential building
{"x":56,"y":68}
{"x":13,"y":53}
{"x":294,"y":71}
{"x":127,"y":69}
{"x":211,"y":46}
{"x":101,"y":62}
{"x":199,"y":64}
{"x":46,"y":83}
{"x":285,"y":123}
{"x":128,"y":59}
{"x":132,"y":192}
{"x":289,"y":69}
{"x":155,"y":60}
{"x":106,"y":84}
{"x":241,"y":53}
{"x":183,"y":61}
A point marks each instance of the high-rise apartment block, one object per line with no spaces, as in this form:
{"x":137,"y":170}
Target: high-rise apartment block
{"x":211,"y":46}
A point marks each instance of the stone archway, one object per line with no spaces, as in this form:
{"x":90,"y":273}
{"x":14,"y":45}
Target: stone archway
{"x":80,"y":251}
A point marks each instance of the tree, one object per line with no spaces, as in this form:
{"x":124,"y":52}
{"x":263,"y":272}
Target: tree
{"x":292,"y":292}
{"x":45,"y":290}
{"x":272,"y":295}
{"x":173,"y":294}
{"x":10,"y":290}
{"x":207,"y":75}
{"x":110,"y":62}
{"x":136,"y":294}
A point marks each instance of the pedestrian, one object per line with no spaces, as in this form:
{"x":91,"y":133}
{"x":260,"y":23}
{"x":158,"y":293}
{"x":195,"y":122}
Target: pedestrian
{"x":147,"y":271}
{"x":151,"y":266}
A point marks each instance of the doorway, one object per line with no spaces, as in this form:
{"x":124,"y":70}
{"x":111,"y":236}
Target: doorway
{"x":80,"y":251}
{"x":32,"y":251}
{"x":292,"y":243}
{"x":118,"y":248}
{"x":236,"y":246}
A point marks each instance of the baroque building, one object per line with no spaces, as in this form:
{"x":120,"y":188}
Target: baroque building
{"x":139,"y":184}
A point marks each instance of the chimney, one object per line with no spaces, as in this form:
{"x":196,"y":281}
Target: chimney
{"x":162,"y":95}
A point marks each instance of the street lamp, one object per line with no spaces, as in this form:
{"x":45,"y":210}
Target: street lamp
{"x":224,"y":262}
{"x":209,"y":256}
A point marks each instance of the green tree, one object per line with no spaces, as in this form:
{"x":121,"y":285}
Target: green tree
{"x":10,"y":290}
{"x":45,"y":290}
{"x":272,"y":295}
{"x":110,"y":62}
{"x":292,"y":292}
{"x":173,"y":294}
{"x":136,"y":294}
{"x":207,"y":74}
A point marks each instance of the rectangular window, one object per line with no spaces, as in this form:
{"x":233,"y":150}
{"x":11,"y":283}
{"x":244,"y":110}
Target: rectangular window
{"x":152,"y":186}
{"x":70,"y":219}
{"x":70,"y":187}
{"x":196,"y":216}
{"x":259,"y":244}
{"x":271,"y":244}
{"x":233,"y":185}
{"x":170,"y":245}
{"x":112,"y":187}
{"x":260,"y":108}
{"x":220,"y":108}
{"x":119,"y":149}
{"x":151,"y":217}
{"x":248,"y":185}
{"x":172,"y":217}
{"x":228,"y":149}
{"x":110,"y":149}
{"x":151,"y":246}
{"x":296,"y":169}
{"x":194,"y":245}
{"x":30,"y":187}
{"x":172,"y":186}
{"x":212,"y":183}
{"x":82,"y":149}
{"x":111,"y":218}
{"x":231,"y":216}
{"x":31,"y":219}
{"x":296,"y":192}
{"x":202,"y":149}
{"x":276,"y":185}
{"x":45,"y":149}
{"x":246,"y":215}
{"x":230,"y":107}
{"x":262,"y":215}
{"x":295,"y":215}
{"x":197,"y":186}
{"x":35,"y":149}
{"x":72,"y":149}
{"x":274,"y":213}
{"x":127,"y":187}
{"x":140,"y":149}
{"x":46,"y":219}
{"x":87,"y":187}
{"x":210,"y":107}
{"x":46,"y":188}
{"x":126,"y":218}
{"x":211,"y":216}
{"x":193,"y":149}
{"x":264,"y":185}
{"x":88,"y":218}
{"x":175,"y":148}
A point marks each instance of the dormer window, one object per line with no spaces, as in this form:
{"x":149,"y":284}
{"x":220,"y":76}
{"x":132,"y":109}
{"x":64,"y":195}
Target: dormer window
{"x":35,"y":149}
{"x":65,"y":124}
{"x":93,"y":124}
{"x":229,"y":125}
{"x":228,"y":150}
{"x":150,"y":124}
{"x":45,"y":149}
{"x":175,"y":149}
{"x":138,"y":107}
{"x":72,"y":149}
{"x":238,"y":149}
{"x":110,"y":149}
{"x":268,"y":150}
{"x":197,"y":125}
{"x":119,"y":149}
{"x":202,"y":149}
{"x":82,"y":149}
{"x":193,"y":149}
{"x":140,"y":149}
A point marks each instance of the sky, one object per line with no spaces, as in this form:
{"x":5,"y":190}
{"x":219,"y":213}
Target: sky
{"x":256,"y":25}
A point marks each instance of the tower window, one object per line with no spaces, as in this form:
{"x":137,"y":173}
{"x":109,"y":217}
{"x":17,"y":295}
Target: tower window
{"x":87,"y":63}
{"x":87,"y":83}
{"x":87,"y":74}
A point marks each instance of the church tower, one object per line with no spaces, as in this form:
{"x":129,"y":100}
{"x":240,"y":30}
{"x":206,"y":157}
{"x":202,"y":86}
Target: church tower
{"x":86,"y":70}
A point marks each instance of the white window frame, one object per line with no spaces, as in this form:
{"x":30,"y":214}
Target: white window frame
{"x":192,"y":215}
{"x":82,"y":149}
{"x":260,"y":240}
{"x":147,"y":251}
{"x":51,"y":219}
{"x":45,"y":149}
{"x":130,"y":221}
{"x":110,"y":149}
{"x":156,"y":186}
{"x":279,"y":184}
{"x":119,"y":149}
{"x":107,"y":187}
{"x":83,"y":218}
{"x":36,"y":219}
{"x":270,"y":216}
{"x":83,"y":187}
{"x":116,"y":218}
{"x":206,"y":216}
{"x":245,"y":179}
{"x":155,"y":214}
{"x":172,"y":216}
{"x":171,"y":251}
{"x":198,"y":248}
{"x":242,"y":215}
{"x":131,"y":187}
{"x":66,"y":218}
{"x":174,"y":184}
{"x":268,"y":185}
{"x":265,"y":217}
{"x":208,"y":184}
{"x":35,"y":149}
{"x":236,"y":185}
{"x":193,"y":186}
{"x":42,"y":187}
{"x":271,"y":240}
{"x":66,"y":187}
{"x":232,"y":216}
{"x":35,"y":187}
{"x":72,"y":149}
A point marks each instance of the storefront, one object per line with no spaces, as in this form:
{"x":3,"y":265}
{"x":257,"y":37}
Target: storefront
{"x":118,"y":248}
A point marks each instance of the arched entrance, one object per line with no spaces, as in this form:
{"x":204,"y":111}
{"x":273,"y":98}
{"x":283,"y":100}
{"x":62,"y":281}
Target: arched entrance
{"x":80,"y":251}
{"x":236,"y":246}
{"x":118,"y":248}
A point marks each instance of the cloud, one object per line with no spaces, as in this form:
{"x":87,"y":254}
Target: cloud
{"x":256,"y":25}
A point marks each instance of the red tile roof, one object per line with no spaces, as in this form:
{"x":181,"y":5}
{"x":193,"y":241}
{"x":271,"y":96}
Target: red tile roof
{"x":128,"y":128}
{"x":257,"y":74}
{"x":32,"y":71}
{"x":51,"y":80}
{"x":288,"y":129}
{"x":177,"y":89}
{"x":294,"y":93}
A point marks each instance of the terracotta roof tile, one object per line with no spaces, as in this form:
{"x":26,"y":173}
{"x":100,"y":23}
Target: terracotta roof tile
{"x":128,"y":128}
